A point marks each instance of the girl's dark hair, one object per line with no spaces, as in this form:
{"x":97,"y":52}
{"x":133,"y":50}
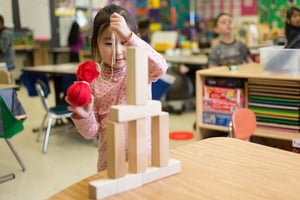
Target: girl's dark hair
{"x":218,"y":17}
{"x":73,"y":35}
{"x":102,"y":21}
{"x":289,"y":13}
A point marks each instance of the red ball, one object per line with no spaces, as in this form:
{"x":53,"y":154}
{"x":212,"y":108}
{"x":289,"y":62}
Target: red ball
{"x":79,"y":94}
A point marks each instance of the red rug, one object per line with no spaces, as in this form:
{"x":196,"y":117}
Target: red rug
{"x":181,"y":135}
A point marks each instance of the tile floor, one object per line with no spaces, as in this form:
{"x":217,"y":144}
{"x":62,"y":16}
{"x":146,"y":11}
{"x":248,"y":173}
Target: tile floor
{"x":69,"y":158}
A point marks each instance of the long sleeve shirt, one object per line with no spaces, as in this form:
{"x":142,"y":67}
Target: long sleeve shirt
{"x":111,"y":93}
{"x":7,"y":52}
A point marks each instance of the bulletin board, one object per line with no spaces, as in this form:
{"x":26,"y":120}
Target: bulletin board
{"x":273,"y":12}
{"x":128,"y":4}
{"x":168,"y":14}
{"x":65,"y":7}
{"x":210,"y":9}
{"x":35,"y":15}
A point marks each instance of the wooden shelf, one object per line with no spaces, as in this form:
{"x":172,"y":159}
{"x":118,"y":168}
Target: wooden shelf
{"x":260,"y":132}
{"x":26,"y":47}
{"x":247,"y":71}
{"x":274,"y":134}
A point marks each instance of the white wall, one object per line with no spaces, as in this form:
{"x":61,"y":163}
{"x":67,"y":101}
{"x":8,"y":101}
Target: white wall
{"x":6,"y":12}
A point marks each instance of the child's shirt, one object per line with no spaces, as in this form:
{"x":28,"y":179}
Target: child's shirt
{"x":114,"y":93}
{"x":7,"y":52}
{"x":228,"y":54}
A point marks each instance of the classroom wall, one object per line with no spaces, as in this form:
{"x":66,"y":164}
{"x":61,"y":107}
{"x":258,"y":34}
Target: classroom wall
{"x":6,"y":12}
{"x":36,"y":14}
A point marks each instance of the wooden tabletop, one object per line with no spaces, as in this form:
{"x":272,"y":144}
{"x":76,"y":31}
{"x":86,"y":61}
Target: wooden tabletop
{"x":216,"y":168}
{"x":67,"y":68}
{"x":251,"y":70}
{"x":187,"y":59}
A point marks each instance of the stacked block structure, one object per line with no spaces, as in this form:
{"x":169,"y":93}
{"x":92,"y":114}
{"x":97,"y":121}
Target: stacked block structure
{"x":123,"y":176}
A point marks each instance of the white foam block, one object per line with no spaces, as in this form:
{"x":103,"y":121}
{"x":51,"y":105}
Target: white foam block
{"x":129,"y":182}
{"x":156,"y":173}
{"x":124,"y":113}
{"x":103,"y":188}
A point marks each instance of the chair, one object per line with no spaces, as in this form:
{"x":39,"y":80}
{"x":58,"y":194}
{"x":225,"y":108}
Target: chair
{"x":5,"y":76}
{"x":243,"y":124}
{"x":180,"y":91}
{"x":57,"y":112}
{"x":9,"y":126}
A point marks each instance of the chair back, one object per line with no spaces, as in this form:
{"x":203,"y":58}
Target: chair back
{"x":43,"y":92}
{"x":243,"y":124}
{"x":4,"y":76}
{"x":9,"y":125}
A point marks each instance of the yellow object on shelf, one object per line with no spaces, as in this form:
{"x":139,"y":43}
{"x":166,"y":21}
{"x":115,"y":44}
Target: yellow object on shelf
{"x":162,"y":46}
{"x":185,"y":45}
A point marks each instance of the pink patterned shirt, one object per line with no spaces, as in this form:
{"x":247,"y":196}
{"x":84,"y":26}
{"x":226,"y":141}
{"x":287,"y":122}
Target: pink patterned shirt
{"x":114,"y":93}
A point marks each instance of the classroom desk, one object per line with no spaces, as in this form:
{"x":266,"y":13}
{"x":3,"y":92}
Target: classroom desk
{"x":58,"y":69}
{"x":216,"y":168}
{"x":187,"y":59}
{"x":36,"y":55}
{"x":56,"y":51}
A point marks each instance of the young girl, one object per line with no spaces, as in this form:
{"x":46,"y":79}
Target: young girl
{"x":227,"y":51}
{"x":112,"y":24}
{"x":292,"y":28}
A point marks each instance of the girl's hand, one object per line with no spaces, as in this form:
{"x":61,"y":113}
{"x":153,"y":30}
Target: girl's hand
{"x":83,"y":111}
{"x":120,"y":27}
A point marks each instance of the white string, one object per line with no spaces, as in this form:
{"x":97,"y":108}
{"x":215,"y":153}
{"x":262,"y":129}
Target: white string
{"x":113,"y":59}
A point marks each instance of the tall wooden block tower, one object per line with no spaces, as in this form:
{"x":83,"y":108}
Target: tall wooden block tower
{"x":140,"y":169}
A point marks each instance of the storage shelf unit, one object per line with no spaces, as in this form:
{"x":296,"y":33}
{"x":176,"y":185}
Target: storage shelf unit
{"x":247,"y":71}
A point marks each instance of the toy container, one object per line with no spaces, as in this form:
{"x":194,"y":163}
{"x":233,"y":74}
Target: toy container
{"x":279,"y":60}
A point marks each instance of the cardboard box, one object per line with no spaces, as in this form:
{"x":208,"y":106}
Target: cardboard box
{"x":220,"y":105}
{"x":233,"y":95}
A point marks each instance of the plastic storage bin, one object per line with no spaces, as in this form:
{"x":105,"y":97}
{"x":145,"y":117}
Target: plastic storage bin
{"x":280,"y":60}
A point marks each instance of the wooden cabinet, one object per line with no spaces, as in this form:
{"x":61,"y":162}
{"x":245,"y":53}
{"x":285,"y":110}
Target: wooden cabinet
{"x":247,"y":71}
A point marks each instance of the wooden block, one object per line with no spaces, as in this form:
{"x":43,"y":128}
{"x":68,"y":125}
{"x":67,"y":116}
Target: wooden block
{"x":116,"y":162}
{"x":137,"y":146}
{"x":160,"y":140}
{"x":156,"y":173}
{"x":123,"y":113}
{"x":137,"y":76}
{"x":103,"y":188}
